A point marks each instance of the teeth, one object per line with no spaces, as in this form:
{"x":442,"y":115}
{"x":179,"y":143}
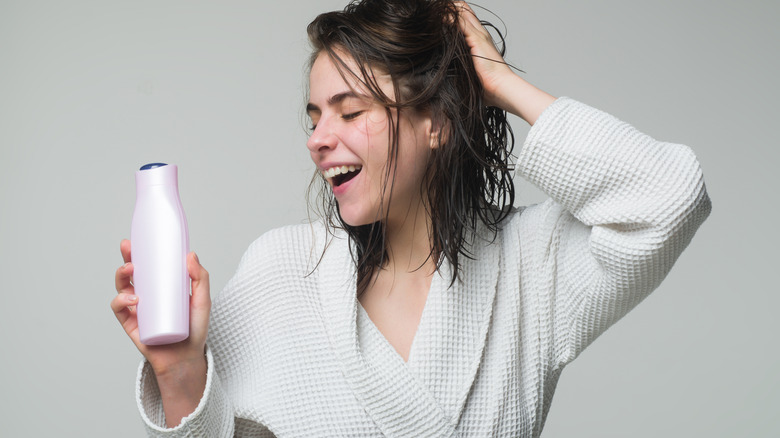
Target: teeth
{"x":338,"y":170}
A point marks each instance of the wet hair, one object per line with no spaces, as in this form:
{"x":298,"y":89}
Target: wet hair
{"x":469,"y":173}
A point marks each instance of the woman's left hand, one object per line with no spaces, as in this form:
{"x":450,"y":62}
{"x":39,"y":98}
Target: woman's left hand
{"x":493,"y":71}
{"x":503,"y":88}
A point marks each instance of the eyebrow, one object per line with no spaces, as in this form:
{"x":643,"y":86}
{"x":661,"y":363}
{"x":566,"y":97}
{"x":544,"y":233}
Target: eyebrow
{"x":335,"y":99}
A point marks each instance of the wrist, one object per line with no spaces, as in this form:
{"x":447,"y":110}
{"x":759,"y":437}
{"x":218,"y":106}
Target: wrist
{"x":519,"y":97}
{"x":182,"y":387}
{"x":180,"y":372}
{"x":497,"y":88}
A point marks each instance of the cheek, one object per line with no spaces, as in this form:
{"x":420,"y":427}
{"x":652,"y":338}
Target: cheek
{"x":375,"y":143}
{"x":376,"y":126}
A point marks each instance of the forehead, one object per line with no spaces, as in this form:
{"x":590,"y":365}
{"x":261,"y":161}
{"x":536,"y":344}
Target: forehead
{"x":328,"y":78}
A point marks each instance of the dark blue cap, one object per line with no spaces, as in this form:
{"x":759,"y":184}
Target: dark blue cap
{"x":152,"y":166}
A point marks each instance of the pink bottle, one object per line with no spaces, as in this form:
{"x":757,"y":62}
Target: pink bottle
{"x":159,"y":247}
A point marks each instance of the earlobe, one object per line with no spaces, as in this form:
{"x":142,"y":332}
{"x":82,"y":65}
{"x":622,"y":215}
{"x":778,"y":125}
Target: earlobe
{"x":434,"y":139}
{"x":438,"y":136}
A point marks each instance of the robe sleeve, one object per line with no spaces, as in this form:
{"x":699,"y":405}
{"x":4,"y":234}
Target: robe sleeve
{"x":213,"y":417}
{"x":623,"y":207}
{"x":229,"y":359}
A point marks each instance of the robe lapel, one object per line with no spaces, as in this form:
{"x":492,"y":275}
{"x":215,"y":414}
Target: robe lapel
{"x":426,"y":396}
{"x":450,"y":341}
{"x":390,"y":395}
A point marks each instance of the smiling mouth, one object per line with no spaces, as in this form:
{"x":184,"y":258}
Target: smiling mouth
{"x":340,"y":174}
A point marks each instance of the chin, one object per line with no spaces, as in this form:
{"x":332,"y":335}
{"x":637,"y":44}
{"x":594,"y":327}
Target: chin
{"x":352,"y":222}
{"x":356,"y":219}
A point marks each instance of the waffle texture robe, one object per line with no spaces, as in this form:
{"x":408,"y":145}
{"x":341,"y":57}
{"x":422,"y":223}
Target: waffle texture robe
{"x":291,"y":353}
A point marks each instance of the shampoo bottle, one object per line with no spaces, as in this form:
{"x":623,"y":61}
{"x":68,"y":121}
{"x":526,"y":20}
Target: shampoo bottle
{"x":159,"y":243}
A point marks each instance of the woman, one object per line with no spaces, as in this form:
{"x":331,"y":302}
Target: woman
{"x":423,"y":304}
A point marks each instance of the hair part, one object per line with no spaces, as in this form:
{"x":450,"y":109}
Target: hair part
{"x":469,"y":174}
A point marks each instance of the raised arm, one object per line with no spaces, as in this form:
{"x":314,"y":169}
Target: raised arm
{"x":623,"y":208}
{"x":623,"y":205}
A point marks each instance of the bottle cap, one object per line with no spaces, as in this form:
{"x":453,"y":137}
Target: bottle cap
{"x":156,"y":174}
{"x":152,"y":166}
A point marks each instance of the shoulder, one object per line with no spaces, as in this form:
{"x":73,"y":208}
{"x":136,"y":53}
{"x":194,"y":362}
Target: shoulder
{"x":270,"y":290}
{"x":534,"y":219}
{"x":286,"y":254}
{"x":282,"y":236}
{"x":277,"y":271}
{"x":533,"y":233}
{"x":284,"y":245}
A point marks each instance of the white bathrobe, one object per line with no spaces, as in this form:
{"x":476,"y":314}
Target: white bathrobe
{"x":291,"y":353}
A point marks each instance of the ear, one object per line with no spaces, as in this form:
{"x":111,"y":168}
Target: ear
{"x":439,"y":134}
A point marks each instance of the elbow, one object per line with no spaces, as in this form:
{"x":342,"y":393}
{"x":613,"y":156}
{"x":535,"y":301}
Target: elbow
{"x":691,"y":205}
{"x":686,"y":208}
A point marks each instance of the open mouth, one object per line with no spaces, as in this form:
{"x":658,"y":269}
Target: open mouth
{"x":340,"y":174}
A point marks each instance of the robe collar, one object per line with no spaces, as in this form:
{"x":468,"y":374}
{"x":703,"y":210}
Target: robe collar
{"x":426,"y":396}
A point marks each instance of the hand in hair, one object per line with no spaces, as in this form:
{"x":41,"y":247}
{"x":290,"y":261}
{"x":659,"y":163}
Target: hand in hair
{"x":489,"y":63}
{"x":502,"y":87}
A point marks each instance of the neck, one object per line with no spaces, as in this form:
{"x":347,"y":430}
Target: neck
{"x":409,"y":242}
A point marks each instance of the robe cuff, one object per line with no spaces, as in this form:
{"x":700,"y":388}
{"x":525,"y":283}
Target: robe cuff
{"x":212,"y":417}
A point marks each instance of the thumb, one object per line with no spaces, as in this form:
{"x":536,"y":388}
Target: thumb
{"x":200,"y":302}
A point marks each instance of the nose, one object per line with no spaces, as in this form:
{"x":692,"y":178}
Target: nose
{"x":322,"y":138}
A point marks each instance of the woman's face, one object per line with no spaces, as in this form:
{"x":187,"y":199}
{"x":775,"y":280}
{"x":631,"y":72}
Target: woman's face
{"x":350,"y":143}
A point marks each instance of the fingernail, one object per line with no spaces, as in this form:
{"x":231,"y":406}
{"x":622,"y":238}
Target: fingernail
{"x":126,"y":265}
{"x":132,"y":298}
{"x":196,"y":257}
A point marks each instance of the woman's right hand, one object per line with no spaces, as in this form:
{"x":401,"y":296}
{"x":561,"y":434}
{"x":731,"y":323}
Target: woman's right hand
{"x":180,"y":368}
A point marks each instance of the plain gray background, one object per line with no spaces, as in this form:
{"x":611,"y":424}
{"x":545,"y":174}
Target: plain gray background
{"x":90,"y":90}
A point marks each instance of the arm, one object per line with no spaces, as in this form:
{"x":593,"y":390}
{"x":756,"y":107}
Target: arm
{"x":181,"y":389}
{"x":173,"y":379}
{"x":212,"y":415}
{"x":624,"y":206}
{"x":231,"y":403}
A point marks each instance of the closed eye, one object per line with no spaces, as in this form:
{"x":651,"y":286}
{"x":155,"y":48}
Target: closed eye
{"x":347,"y":117}
{"x":351,"y":116}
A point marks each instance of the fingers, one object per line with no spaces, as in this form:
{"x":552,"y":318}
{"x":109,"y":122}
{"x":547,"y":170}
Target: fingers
{"x":477,"y":37}
{"x":122,"y":306}
{"x":200,"y":280}
{"x":200,"y":304}
{"x":467,"y":15}
{"x":463,"y":6}
{"x":471,"y":26}
{"x":124,"y":247}
{"x":123,"y":279}
{"x":493,"y":72}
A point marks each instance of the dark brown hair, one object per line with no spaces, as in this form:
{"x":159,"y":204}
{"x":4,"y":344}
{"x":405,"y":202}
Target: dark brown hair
{"x":469,"y":175}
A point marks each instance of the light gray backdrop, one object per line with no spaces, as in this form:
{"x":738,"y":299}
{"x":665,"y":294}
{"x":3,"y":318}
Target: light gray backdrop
{"x":90,"y":90}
